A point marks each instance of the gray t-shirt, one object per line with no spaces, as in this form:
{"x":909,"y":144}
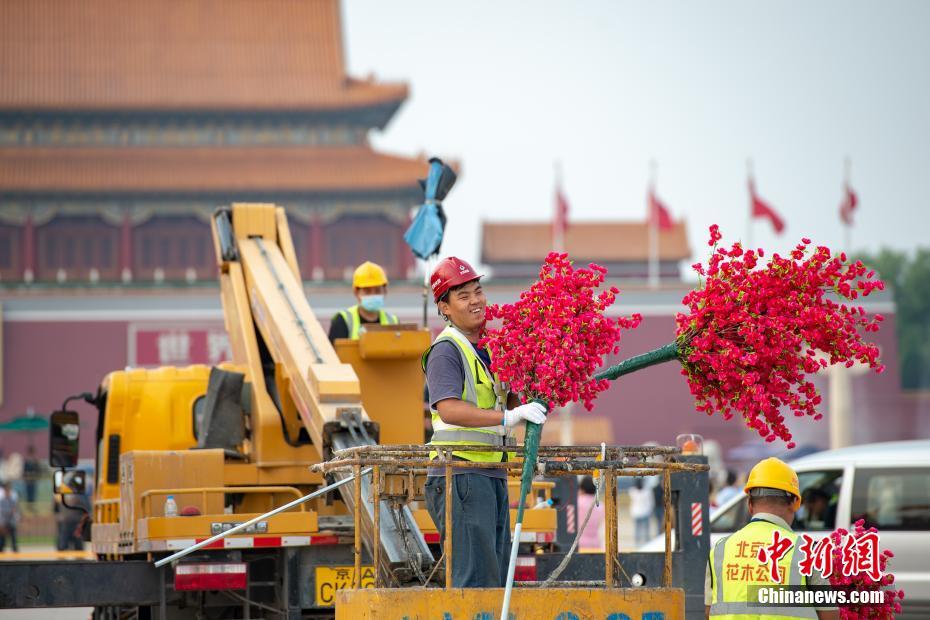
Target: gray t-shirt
{"x":445,"y":378}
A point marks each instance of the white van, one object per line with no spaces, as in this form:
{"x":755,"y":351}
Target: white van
{"x":887,"y":484}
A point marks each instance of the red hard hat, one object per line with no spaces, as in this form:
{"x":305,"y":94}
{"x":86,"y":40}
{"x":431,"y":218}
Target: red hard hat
{"x":450,"y":272}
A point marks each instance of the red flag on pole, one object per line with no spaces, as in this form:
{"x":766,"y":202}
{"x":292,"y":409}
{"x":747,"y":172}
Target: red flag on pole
{"x":560,"y":221}
{"x":659,"y":214}
{"x":849,"y":204}
{"x":760,"y":208}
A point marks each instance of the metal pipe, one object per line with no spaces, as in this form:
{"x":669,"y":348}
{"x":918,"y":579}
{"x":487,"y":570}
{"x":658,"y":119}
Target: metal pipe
{"x":376,"y":520}
{"x":553,"y":468}
{"x":389,"y":462}
{"x":447,"y":543}
{"x":560,"y":451}
{"x":667,"y":493}
{"x":561,"y":584}
{"x":613,"y":526}
{"x":357,"y":522}
{"x":183,"y":552}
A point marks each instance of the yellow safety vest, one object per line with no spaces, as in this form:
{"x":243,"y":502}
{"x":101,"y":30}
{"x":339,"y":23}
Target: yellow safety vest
{"x":482,"y":389}
{"x":354,"y":322}
{"x":735,"y":568}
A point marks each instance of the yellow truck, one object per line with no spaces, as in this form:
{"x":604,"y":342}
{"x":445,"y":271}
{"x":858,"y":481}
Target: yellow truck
{"x":186,"y":453}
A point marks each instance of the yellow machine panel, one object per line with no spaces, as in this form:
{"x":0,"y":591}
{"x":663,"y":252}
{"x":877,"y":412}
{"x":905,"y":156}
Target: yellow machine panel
{"x":285,"y":523}
{"x":148,"y":470}
{"x":387,"y":363}
{"x":394,"y":344}
{"x":525,"y":603}
{"x":255,"y":220}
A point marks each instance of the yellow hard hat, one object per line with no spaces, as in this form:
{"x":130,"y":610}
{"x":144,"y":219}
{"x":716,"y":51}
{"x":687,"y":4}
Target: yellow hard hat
{"x":773,"y":473}
{"x":369,"y":274}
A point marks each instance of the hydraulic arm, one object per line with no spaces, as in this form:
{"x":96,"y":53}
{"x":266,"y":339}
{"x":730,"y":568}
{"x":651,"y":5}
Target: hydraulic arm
{"x":302,"y":394}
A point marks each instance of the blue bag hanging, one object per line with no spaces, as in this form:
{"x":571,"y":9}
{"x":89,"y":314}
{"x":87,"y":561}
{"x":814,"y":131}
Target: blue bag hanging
{"x":424,"y":236}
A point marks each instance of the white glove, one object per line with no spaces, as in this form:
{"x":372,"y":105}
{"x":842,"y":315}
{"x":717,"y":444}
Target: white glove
{"x":531,"y":412}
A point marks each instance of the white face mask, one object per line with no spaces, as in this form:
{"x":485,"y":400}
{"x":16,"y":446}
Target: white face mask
{"x":372,"y":303}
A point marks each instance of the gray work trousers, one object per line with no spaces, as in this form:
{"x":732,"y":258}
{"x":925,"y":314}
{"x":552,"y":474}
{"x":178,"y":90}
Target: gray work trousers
{"x":480,"y":527}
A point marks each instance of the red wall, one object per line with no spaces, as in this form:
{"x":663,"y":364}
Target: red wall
{"x":45,"y":361}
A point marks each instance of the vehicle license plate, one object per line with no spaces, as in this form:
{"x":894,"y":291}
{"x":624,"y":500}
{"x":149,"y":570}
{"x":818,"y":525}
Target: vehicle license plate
{"x":331,"y":579}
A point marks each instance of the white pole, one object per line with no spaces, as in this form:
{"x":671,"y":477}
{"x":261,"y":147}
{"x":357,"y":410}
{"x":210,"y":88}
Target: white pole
{"x":752,"y":189}
{"x":426,"y":275}
{"x":840,"y":407}
{"x":558,"y":232}
{"x":653,"y":229}
{"x":566,"y":426}
{"x":505,"y":608}
{"x":847,"y":232}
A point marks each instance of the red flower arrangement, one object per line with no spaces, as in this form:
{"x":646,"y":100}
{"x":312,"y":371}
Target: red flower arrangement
{"x":862,"y":580}
{"x":745,"y":345}
{"x":554,"y":338}
{"x":750,"y":338}
{"x":751,"y":335}
{"x":548,"y":347}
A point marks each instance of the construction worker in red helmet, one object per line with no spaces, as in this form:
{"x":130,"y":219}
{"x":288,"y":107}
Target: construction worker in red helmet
{"x":734,"y":569}
{"x":470,"y":406}
{"x":369,"y":284}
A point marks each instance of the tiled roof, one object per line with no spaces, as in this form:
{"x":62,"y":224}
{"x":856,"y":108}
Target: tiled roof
{"x":521,"y":242}
{"x":179,"y":54}
{"x":267,"y":169}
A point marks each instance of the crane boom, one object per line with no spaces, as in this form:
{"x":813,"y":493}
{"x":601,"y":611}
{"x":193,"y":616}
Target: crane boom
{"x":262,"y":291}
{"x":297,"y":377}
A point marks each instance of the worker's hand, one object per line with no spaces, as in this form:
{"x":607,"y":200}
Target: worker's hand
{"x":531,"y":412}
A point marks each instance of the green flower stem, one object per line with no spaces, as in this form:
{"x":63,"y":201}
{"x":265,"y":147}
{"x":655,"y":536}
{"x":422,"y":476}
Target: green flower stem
{"x":657,"y":356}
{"x":530,"y":456}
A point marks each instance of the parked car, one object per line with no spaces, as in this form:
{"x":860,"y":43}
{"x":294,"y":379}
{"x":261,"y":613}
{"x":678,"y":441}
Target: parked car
{"x":887,"y":484}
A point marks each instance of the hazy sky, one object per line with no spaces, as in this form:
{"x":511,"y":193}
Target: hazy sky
{"x":604,"y":86}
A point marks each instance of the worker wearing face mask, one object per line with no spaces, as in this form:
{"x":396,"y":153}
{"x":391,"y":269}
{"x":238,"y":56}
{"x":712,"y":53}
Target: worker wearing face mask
{"x":369,"y":283}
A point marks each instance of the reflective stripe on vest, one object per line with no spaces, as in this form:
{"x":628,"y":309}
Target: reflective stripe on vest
{"x":729,"y":598}
{"x":462,"y":435}
{"x":481,"y":390}
{"x":354,"y":322}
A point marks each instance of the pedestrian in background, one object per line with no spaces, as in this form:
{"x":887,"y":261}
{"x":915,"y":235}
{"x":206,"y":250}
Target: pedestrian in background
{"x":641,"y":506}
{"x":69,"y":520}
{"x":32,"y":472}
{"x":9,"y":516}
{"x":729,"y":490}
{"x":592,"y":539}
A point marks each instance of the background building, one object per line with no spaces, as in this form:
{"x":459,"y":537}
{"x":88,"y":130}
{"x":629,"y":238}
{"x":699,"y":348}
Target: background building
{"x":122,"y":125}
{"x":516,"y":249}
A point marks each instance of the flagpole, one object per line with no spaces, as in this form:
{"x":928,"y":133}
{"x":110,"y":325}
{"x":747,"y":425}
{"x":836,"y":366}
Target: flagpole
{"x":751,"y":183}
{"x":847,"y":225}
{"x":558,"y":240}
{"x":653,"y":223}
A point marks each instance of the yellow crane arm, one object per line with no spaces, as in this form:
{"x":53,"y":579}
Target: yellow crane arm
{"x":262,"y":290}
